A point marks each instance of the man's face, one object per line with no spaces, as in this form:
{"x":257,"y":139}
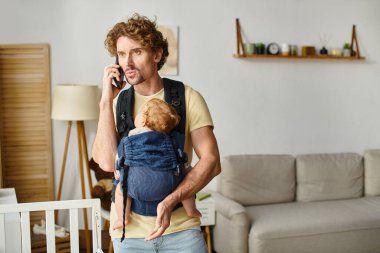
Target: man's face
{"x":139,"y":64}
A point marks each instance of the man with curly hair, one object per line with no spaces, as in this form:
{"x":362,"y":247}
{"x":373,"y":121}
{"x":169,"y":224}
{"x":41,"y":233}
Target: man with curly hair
{"x":142,"y":51}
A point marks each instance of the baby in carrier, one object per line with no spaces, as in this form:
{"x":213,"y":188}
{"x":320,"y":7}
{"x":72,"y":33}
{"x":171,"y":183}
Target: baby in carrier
{"x":152,"y":161}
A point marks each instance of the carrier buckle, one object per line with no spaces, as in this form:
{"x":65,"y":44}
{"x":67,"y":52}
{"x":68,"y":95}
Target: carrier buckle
{"x":177,"y":171}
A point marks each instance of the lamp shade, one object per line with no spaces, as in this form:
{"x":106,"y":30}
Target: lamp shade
{"x":75,"y":102}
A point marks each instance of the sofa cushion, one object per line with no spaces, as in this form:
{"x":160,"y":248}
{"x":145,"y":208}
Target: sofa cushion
{"x":329,"y":176}
{"x":372,"y":172}
{"x":258,"y":179}
{"x":326,"y":226}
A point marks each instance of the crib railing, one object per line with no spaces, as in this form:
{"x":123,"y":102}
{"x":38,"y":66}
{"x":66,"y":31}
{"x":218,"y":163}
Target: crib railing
{"x":49,"y":207}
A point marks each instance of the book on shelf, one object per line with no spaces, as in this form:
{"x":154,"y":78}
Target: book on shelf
{"x":202,"y":195}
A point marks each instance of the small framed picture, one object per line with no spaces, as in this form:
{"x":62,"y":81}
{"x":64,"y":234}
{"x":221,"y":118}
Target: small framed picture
{"x":171,"y":34}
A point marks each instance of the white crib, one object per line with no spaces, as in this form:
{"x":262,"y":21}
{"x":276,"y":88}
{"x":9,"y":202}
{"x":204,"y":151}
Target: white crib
{"x":49,"y":207}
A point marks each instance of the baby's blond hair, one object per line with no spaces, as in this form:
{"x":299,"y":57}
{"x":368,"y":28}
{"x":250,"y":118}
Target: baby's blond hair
{"x":160,"y":116}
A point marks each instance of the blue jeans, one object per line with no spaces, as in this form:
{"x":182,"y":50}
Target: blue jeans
{"x":187,"y":241}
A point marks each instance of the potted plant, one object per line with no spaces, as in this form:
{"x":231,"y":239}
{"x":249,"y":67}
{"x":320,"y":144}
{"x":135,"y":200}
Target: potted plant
{"x":347,"y":49}
{"x":259,"y":48}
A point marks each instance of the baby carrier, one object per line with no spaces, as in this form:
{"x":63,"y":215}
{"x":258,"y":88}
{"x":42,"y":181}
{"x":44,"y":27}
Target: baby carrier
{"x":154,"y":171}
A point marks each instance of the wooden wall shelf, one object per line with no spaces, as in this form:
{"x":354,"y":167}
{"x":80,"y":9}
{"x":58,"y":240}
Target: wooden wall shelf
{"x":310,"y":57}
{"x":240,"y":52}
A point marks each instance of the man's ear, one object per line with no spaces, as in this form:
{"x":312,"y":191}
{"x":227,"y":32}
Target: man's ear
{"x":158,"y":55}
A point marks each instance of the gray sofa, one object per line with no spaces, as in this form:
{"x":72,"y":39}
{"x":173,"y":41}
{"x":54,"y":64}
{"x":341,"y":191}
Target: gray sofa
{"x":312,"y":203}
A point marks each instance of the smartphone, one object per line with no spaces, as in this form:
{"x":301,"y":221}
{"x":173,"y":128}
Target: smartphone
{"x":119,"y":84}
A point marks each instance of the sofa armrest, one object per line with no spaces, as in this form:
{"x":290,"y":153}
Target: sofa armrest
{"x":230,"y":233}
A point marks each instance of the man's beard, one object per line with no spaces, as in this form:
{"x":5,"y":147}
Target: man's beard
{"x":140,"y":79}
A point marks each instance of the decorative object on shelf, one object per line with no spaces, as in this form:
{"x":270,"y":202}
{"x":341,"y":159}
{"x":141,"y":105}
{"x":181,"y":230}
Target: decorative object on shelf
{"x":355,"y":55}
{"x":347,"y":49}
{"x":323,"y":51}
{"x":336,"y":52}
{"x":324,"y":41}
{"x":273,"y":49}
{"x":260,"y":48}
{"x":293,"y":50}
{"x":354,"y":42}
{"x":308,"y":51}
{"x":76,"y":103}
{"x":249,"y":48}
{"x":239,"y":44}
{"x":285,"y":49}
{"x":202,"y":195}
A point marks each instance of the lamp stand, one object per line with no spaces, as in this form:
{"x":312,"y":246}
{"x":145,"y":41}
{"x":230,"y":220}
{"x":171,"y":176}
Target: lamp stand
{"x":83,"y":157}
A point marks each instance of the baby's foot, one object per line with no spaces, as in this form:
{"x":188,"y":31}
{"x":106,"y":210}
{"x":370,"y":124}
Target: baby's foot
{"x":194,"y":213}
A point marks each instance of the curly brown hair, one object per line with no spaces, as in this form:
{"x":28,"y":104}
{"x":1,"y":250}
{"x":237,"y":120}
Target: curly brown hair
{"x":141,"y":29}
{"x":160,"y":116}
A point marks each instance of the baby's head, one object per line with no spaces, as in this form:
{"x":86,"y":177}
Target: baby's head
{"x":157,"y":115}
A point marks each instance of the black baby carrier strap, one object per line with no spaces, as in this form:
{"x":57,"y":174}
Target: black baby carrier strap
{"x":124,"y":112}
{"x":125,"y":123}
{"x":174,"y":94}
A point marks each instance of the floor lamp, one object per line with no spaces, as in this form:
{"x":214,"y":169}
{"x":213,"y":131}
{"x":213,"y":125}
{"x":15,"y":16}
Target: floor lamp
{"x":76,"y":103}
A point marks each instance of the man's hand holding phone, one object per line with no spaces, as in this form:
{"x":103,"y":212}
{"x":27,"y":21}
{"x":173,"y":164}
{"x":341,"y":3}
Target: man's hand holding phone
{"x":113,"y":80}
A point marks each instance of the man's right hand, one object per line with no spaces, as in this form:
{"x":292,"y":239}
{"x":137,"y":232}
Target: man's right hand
{"x":110,"y":91}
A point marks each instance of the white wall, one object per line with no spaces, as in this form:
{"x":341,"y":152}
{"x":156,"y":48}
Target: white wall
{"x":258,"y":106}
